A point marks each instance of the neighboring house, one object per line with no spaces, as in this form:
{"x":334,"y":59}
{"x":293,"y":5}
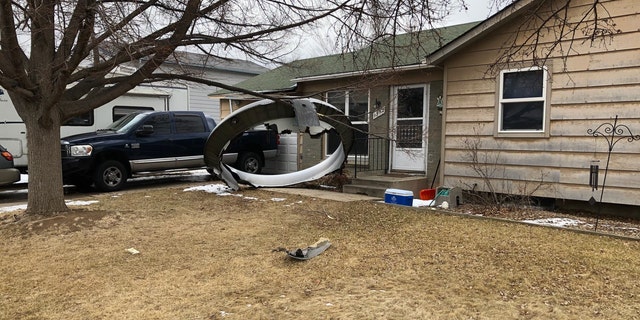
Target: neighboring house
{"x":225,"y":71}
{"x":527,"y":117}
{"x":511,"y":122}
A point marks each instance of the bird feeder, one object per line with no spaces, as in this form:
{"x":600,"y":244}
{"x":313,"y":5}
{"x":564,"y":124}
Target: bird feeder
{"x":593,"y":175}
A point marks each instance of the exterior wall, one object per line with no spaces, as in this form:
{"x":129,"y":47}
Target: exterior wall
{"x":379,"y":87}
{"x":311,"y":151}
{"x":287,"y":159}
{"x":379,"y":127}
{"x":198,"y":93}
{"x":588,"y":86}
{"x":434,"y":134}
{"x":227,"y":105}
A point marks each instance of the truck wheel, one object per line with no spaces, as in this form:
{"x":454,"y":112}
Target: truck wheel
{"x":250,"y":162}
{"x":110,"y":175}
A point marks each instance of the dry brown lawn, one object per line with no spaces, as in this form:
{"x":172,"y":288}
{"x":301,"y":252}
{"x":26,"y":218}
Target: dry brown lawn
{"x":204,"y":256}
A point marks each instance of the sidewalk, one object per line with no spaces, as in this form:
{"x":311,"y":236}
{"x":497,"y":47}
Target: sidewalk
{"x":324,"y":194}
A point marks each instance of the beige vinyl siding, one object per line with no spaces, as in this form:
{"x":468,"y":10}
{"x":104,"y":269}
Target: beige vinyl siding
{"x":589,"y":86}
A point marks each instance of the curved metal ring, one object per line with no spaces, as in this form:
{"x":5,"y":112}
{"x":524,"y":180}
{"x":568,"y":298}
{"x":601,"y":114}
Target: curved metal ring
{"x":261,"y":112}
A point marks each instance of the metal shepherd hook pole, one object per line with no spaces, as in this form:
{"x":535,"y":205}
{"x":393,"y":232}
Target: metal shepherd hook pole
{"x":612,"y":133}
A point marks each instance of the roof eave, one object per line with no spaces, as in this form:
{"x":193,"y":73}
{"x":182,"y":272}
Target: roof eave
{"x":478,"y":31}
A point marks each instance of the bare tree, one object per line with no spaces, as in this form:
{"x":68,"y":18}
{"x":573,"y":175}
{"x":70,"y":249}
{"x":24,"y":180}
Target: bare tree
{"x":58,"y":58}
{"x":547,"y":28}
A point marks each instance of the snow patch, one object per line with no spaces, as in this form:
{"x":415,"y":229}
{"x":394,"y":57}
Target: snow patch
{"x":219,"y":189}
{"x":422,"y":203}
{"x":69,"y":203}
{"x":13,"y":208}
{"x":555,"y":222}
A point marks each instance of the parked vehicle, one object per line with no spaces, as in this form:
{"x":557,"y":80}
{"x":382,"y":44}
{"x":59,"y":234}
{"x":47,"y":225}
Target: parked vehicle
{"x":13,"y":132}
{"x":8,"y":174}
{"x":153,"y":141}
{"x":247,"y":151}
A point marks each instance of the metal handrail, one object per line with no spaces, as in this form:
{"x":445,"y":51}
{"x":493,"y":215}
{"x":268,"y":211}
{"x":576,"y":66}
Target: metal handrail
{"x":374,"y":158}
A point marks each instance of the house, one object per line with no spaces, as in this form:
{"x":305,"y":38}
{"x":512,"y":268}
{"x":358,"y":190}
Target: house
{"x":521,"y":95}
{"x":389,"y":93}
{"x":506,"y":106}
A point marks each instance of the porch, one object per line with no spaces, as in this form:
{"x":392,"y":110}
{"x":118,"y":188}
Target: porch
{"x":368,"y":169}
{"x":375,"y":185}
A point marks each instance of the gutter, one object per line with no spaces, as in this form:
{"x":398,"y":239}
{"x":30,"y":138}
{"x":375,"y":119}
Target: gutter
{"x":235,"y":94}
{"x":367,"y":72}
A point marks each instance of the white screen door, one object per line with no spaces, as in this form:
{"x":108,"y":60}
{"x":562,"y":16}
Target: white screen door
{"x":409,"y":128}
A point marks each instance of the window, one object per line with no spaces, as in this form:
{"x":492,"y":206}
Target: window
{"x":189,"y":124}
{"x":409,"y":120}
{"x":85,"y":119}
{"x":355,"y":104}
{"x":161,"y":123}
{"x":522,"y":105}
{"x":121,"y":111}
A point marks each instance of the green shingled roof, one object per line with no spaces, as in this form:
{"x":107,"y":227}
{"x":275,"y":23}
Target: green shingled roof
{"x":402,"y":50}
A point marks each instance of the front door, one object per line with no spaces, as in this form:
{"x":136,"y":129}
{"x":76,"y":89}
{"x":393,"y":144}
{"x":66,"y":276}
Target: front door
{"x":409,"y":128}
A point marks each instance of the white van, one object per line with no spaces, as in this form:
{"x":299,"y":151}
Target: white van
{"x":142,"y":98}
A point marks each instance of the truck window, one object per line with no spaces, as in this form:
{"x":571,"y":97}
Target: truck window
{"x":189,"y":123}
{"x":121,"y":111}
{"x":85,"y":119}
{"x":160,"y":122}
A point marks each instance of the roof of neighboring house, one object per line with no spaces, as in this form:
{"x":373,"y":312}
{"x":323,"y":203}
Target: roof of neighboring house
{"x":403,"y":50}
{"x":186,"y":59}
{"x":199,"y":60}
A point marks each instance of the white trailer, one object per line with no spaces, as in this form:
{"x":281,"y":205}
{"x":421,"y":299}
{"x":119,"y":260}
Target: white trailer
{"x":142,"y":98}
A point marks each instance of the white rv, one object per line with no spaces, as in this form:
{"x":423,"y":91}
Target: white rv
{"x":166,"y":96}
{"x":142,"y":98}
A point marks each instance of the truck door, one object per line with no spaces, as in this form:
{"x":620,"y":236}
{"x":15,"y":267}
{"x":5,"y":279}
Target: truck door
{"x":189,"y":139}
{"x":153,"y":150}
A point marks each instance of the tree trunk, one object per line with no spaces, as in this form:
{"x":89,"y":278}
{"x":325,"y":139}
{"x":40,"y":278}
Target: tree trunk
{"x":46,"y":195}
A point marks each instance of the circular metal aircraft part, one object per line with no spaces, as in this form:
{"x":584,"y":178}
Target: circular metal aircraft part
{"x":281,"y":113}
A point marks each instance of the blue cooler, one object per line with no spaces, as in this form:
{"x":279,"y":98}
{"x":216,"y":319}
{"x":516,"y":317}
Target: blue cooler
{"x":398,"y":196}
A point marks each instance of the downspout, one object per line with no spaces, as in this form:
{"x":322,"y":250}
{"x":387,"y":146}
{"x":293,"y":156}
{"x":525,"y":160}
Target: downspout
{"x":443,"y":135}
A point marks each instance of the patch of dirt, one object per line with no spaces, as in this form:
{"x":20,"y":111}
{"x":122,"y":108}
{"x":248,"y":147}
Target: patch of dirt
{"x":205,"y":256}
{"x":578,"y":220}
{"x":72,"y":221}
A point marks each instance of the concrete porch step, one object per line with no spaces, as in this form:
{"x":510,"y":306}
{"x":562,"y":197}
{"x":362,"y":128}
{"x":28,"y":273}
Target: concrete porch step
{"x":371,"y":191}
{"x":376,"y":185}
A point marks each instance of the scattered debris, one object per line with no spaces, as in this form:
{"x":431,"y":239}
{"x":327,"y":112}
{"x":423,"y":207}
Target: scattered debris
{"x":309,"y":252}
{"x":132,"y":251}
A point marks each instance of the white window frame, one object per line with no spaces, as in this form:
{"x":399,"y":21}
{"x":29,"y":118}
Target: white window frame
{"x":347,"y":94}
{"x":544,"y":99}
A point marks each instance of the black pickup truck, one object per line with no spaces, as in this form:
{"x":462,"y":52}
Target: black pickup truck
{"x":153,"y":141}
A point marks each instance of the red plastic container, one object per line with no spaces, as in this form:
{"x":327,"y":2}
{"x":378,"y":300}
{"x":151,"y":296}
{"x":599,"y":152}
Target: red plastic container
{"x":427,"y":194}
